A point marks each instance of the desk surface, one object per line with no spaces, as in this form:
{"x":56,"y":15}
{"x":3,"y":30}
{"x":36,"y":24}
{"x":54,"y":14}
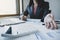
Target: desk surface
{"x":32,"y":25}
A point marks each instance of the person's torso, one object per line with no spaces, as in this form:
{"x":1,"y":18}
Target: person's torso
{"x":37,"y":15}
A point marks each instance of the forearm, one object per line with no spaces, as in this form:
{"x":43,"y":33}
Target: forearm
{"x":45,"y":13}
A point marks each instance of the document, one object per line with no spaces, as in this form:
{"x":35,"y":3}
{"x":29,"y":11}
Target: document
{"x":10,"y":21}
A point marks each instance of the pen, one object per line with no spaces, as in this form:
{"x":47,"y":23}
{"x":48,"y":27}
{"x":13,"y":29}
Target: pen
{"x":11,"y":24}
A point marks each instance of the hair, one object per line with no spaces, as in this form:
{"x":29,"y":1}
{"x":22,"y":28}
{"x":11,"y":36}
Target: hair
{"x":40,"y":2}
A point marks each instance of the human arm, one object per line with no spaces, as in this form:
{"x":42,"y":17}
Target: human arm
{"x":24,"y":17}
{"x":48,"y":18}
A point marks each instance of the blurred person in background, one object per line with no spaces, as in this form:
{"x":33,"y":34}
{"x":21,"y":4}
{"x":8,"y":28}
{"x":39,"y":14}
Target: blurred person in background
{"x":39,"y":9}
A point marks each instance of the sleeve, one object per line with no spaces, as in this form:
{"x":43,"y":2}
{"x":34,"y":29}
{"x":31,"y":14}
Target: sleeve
{"x":26,"y":12}
{"x":45,"y":10}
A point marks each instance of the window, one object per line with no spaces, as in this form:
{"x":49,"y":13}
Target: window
{"x":9,"y":7}
{"x":21,"y":7}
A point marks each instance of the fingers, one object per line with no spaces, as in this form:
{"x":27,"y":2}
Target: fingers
{"x":53,"y":25}
{"x":48,"y":25}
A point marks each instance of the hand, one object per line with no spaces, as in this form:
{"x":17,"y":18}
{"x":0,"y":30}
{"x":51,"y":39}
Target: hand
{"x":49,"y":22}
{"x":24,"y":18}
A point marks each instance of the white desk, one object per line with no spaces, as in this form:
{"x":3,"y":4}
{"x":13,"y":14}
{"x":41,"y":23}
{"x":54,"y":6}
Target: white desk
{"x":32,"y":25}
{"x":18,"y":28}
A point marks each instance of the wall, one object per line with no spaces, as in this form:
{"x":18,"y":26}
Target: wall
{"x":25,"y":3}
{"x":54,"y":6}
